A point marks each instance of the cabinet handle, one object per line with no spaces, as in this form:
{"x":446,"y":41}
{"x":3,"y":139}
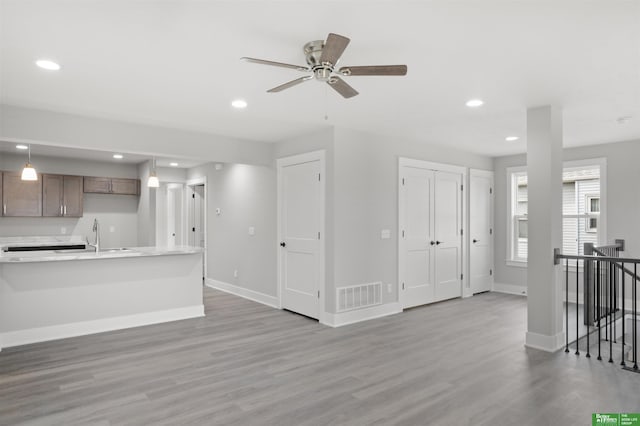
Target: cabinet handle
{"x":4,"y":208}
{"x":60,"y":209}
{"x":65,"y":209}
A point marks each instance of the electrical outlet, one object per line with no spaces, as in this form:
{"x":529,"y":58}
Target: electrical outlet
{"x":389,"y":288}
{"x":252,"y":230}
{"x":63,"y":230}
{"x":235,"y":273}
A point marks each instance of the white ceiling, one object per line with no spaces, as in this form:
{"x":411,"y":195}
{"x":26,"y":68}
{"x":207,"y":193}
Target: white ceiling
{"x":176,"y":63}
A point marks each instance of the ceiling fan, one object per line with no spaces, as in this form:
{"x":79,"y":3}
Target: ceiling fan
{"x":322,"y":59}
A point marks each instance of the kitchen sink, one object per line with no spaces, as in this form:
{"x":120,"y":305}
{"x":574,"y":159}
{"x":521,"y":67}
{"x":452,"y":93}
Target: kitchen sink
{"x":116,"y":250}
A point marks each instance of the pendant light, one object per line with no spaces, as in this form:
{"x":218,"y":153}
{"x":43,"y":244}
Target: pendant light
{"x":153,"y":181}
{"x":29,"y":173}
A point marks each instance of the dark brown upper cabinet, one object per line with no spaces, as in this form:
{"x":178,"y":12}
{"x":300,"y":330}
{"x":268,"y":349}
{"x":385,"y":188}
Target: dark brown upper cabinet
{"x":62,"y":196}
{"x":119,"y":186}
{"x":20,"y":197}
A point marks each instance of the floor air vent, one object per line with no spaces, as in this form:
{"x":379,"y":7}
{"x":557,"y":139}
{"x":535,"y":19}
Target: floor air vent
{"x":358,"y":296}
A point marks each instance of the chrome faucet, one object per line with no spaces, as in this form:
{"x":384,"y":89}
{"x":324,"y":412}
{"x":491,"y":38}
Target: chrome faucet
{"x":96,"y":229}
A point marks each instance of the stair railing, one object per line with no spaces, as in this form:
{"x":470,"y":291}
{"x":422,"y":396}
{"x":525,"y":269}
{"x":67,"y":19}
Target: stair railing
{"x":605,"y":277}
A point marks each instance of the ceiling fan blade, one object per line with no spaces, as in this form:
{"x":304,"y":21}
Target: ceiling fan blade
{"x":333,"y":48}
{"x":275,"y":64}
{"x":289,"y":84}
{"x":375,"y":70}
{"x":340,"y":86}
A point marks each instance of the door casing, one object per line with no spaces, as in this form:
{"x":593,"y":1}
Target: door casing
{"x":284,"y":162}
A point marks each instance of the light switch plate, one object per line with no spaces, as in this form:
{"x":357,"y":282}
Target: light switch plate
{"x":252,"y":230}
{"x":112,"y":228}
{"x":385,"y":234}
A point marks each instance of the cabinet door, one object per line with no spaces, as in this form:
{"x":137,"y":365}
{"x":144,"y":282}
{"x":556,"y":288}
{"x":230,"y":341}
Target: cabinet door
{"x":21,"y":198}
{"x":97,"y":185}
{"x":124,"y":186}
{"x":52,"y":195}
{"x":72,"y":198}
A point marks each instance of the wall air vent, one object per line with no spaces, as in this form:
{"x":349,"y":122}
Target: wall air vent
{"x":358,"y":296}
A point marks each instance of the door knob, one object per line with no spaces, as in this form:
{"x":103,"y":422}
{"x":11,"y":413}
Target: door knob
{"x":438,"y":242}
{"x":283,"y":244}
{"x":432,"y":242}
{"x":475,"y":241}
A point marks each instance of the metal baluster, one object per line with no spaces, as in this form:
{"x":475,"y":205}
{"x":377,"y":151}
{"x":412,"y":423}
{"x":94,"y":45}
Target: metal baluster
{"x":577,"y":306}
{"x":599,"y":307}
{"x":622,"y":362}
{"x":612,"y":313}
{"x":635,"y":317}
{"x":615,"y":298}
{"x":586,"y":284}
{"x":605,"y":290}
{"x":566,"y":304}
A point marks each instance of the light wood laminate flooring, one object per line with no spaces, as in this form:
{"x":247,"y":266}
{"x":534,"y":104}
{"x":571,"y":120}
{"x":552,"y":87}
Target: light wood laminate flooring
{"x":460,"y":362}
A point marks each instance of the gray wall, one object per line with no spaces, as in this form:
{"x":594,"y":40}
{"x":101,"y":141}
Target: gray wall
{"x":362,"y":200}
{"x":246,"y":196}
{"x":146,"y":208}
{"x":117,"y":214}
{"x":76,"y":131}
{"x":366,"y":202}
{"x":623,"y":200}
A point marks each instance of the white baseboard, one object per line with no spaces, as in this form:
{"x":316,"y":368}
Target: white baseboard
{"x":63,"y":331}
{"x":509,"y":289}
{"x":255,"y":296}
{"x":351,"y":317}
{"x":544,"y":342}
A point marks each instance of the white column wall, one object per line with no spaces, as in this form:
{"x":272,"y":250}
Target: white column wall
{"x":544,"y":171}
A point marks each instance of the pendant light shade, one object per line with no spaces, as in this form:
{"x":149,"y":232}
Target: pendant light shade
{"x":153,"y":181}
{"x":29,"y":172}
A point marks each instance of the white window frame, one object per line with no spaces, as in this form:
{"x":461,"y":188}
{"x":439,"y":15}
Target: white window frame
{"x":512,"y":197}
{"x":590,"y":214}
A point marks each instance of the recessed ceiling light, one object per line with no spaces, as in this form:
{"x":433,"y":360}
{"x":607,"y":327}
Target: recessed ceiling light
{"x":239,"y":103}
{"x":511,"y":138}
{"x":624,"y":120}
{"x":22,"y":147}
{"x":474,"y":103}
{"x":118,"y":156}
{"x":47,"y":65}
{"x":173,"y":164}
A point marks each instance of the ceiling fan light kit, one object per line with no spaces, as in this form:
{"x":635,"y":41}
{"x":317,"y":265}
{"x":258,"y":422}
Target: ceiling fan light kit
{"x":322,"y":58}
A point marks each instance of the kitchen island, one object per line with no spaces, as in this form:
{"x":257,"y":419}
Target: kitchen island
{"x":54,"y":294}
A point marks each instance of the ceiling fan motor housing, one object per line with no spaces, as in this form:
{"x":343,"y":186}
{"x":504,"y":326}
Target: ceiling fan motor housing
{"x":313,"y":53}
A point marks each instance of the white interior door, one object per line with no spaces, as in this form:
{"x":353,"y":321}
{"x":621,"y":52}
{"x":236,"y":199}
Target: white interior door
{"x":448,"y":227}
{"x":417,"y":236}
{"x":198,"y":216}
{"x":430,"y":245}
{"x":481,"y":230}
{"x":301,"y":206}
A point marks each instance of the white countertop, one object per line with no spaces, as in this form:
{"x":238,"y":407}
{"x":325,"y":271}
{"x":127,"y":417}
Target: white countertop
{"x":104,"y":253}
